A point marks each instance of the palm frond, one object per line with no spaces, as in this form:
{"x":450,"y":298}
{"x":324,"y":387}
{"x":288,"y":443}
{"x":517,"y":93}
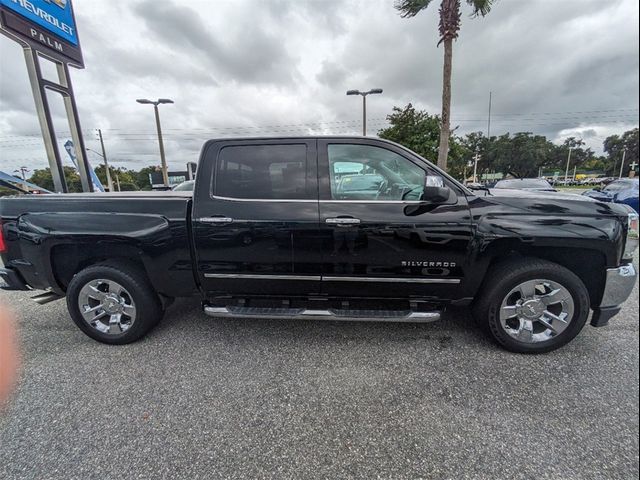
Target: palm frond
{"x":410,"y":8}
{"x":480,"y":7}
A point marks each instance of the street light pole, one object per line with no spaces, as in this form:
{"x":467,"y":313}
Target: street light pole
{"x":476,"y":157}
{"x":163,"y":160}
{"x":566,"y":172}
{"x":624,"y":154}
{"x":165,"y":173}
{"x":364,"y":105}
{"x":364,"y":115}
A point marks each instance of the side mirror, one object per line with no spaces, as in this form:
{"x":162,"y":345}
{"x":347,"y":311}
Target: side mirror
{"x":597,"y":189}
{"x":435,"y":190}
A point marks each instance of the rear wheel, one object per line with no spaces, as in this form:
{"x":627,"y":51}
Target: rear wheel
{"x":532,"y":306}
{"x":113,"y":303}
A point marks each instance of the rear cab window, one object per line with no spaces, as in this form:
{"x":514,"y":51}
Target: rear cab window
{"x":265,"y":172}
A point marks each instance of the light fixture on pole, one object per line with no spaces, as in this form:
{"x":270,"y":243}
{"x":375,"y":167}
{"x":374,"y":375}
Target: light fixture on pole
{"x":144,"y":101}
{"x":373,"y":91}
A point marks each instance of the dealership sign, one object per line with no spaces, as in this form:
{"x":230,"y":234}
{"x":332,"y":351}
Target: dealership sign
{"x":48,"y":26}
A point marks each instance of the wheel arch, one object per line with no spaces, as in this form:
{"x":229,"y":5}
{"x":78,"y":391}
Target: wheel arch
{"x":69,"y":259}
{"x":587,"y":263}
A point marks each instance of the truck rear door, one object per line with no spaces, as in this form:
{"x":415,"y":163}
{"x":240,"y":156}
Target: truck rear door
{"x":256,"y":218}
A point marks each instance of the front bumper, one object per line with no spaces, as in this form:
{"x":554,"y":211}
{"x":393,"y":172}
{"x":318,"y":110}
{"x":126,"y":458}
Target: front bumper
{"x":618,"y":287}
{"x":12,"y":279}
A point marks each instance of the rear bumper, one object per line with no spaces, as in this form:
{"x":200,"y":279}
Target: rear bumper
{"x":618,"y":287}
{"x":12,"y":279}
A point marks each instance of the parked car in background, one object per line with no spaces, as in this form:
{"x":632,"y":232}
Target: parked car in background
{"x":532,"y":184}
{"x":623,"y":190}
{"x":185,"y":186}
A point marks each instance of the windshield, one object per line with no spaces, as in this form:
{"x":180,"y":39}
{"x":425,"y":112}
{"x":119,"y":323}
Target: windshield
{"x":523,"y":183}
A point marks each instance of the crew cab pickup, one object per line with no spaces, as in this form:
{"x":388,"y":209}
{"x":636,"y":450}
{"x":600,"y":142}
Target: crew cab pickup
{"x":325,"y":228}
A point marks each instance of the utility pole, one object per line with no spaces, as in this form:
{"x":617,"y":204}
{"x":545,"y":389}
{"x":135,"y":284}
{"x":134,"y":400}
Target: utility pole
{"x":22,"y":171}
{"x":118,"y":181}
{"x":624,"y":154}
{"x":566,"y":172}
{"x":106,"y":163}
{"x":489,"y":118}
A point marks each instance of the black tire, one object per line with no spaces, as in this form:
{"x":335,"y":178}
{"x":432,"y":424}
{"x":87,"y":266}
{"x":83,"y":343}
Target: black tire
{"x":148,"y":306}
{"x":501,"y":279}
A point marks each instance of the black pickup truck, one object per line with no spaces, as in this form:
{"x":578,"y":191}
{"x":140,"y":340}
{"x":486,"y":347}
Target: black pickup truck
{"x":325,"y":228}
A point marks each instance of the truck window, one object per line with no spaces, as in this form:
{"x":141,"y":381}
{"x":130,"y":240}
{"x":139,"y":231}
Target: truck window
{"x":269,"y":172}
{"x":380,"y":174}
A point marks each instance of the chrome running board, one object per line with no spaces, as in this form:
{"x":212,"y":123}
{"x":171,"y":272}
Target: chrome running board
{"x":330,"y":314}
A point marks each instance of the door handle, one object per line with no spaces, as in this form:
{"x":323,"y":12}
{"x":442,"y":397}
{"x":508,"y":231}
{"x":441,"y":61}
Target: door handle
{"x":342,"y":221}
{"x":216,"y":220}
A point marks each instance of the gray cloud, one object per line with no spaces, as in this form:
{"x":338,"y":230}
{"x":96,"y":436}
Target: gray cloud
{"x":281,"y":67}
{"x":248,"y":54}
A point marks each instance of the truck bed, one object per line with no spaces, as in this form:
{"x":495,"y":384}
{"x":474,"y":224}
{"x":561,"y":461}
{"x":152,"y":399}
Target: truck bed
{"x":63,"y":231}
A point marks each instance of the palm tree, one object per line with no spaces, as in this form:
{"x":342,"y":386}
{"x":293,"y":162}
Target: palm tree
{"x":449,"y":28}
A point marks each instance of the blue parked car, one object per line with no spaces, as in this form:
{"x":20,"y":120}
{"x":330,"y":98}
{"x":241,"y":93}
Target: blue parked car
{"x":624,"y":190}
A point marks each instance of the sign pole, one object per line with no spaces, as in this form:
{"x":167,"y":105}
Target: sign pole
{"x":47,"y":29}
{"x":76,"y":131}
{"x":44,"y":117}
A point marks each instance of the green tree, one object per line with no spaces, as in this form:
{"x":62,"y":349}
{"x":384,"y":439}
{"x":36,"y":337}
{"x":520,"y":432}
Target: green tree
{"x":475,"y":143}
{"x":128,"y":179}
{"x":419,"y":131}
{"x":141,"y":178}
{"x":42,"y":177}
{"x":414,"y":129}
{"x":449,"y":27}
{"x":615,"y":145}
{"x":520,"y":155}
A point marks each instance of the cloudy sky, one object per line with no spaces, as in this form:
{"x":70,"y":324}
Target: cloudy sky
{"x":281,"y":67}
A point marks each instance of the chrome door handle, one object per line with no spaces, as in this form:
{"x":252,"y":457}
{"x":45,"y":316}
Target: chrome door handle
{"x":342,"y":221}
{"x":216,"y":220}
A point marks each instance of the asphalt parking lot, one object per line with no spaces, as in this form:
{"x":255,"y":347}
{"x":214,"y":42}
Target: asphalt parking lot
{"x":209,"y":398}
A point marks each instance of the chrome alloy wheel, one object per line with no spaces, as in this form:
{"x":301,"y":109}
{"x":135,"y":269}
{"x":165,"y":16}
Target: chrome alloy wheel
{"x":536,"y":311}
{"x":107,"y":306}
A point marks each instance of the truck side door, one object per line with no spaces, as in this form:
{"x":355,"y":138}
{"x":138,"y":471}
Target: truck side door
{"x":256,"y":218}
{"x":380,"y":239}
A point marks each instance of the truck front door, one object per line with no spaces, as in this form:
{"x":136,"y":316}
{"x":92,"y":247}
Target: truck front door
{"x":380,"y":239}
{"x":256,"y":218}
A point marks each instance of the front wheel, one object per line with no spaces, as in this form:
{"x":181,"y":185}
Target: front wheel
{"x":532,"y":306}
{"x":113,"y":303}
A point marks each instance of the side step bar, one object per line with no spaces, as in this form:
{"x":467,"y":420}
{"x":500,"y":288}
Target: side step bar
{"x":46,"y":297}
{"x":310,"y":314}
